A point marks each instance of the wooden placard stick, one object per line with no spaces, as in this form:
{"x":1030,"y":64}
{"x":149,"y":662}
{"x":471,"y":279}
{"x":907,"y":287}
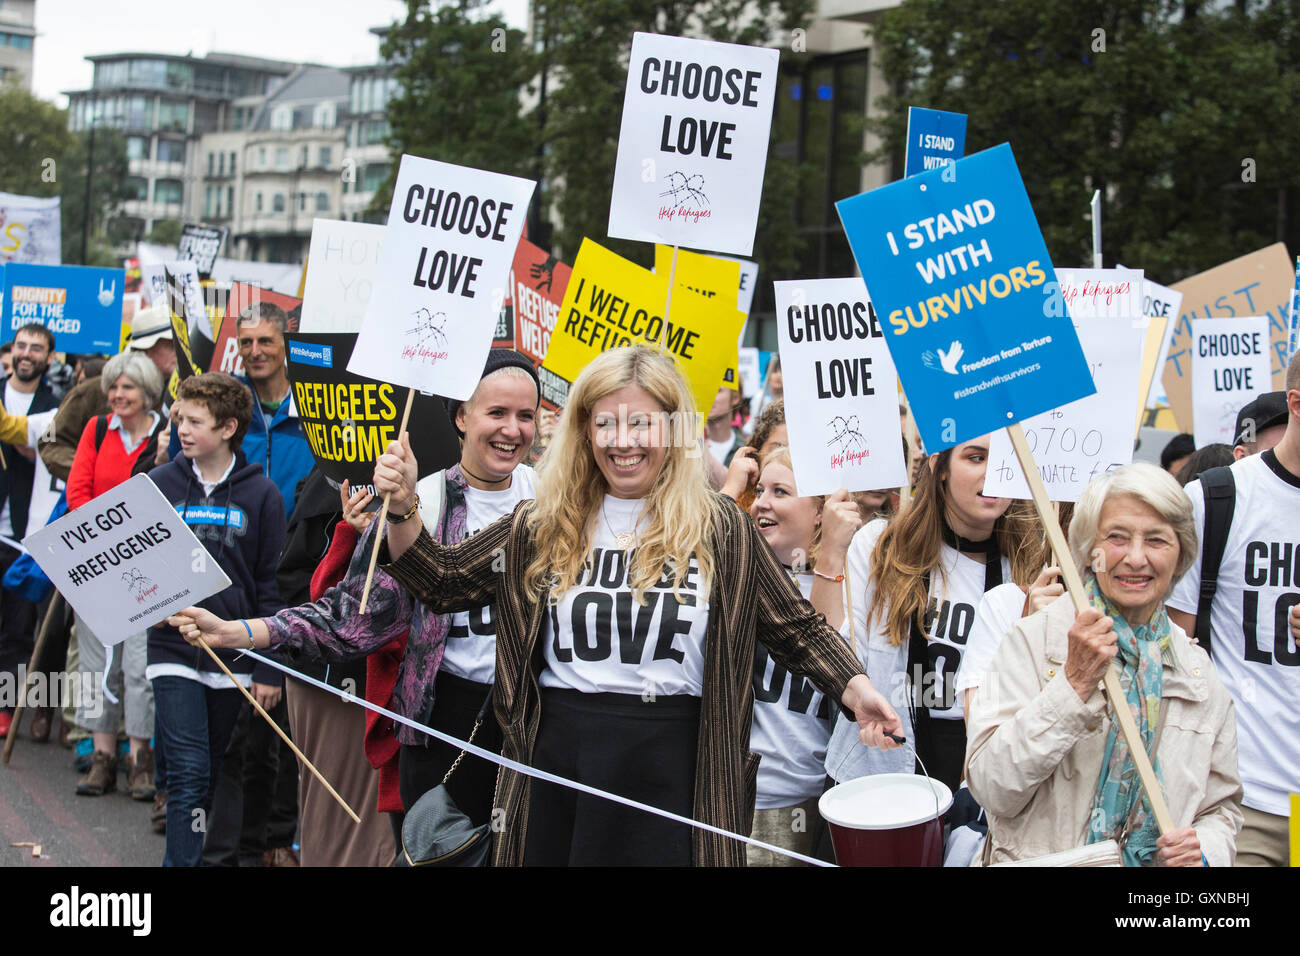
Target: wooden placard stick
{"x":53,"y":613}
{"x":283,"y":736}
{"x":1074,"y":584}
{"x":668,"y":302}
{"x":383,"y":511}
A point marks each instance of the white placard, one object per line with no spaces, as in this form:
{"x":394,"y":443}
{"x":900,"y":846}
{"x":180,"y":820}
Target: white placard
{"x":693,"y":143}
{"x":443,"y":269}
{"x":1093,"y":293}
{"x":1160,"y":303}
{"x":126,"y":560}
{"x":749,"y":364}
{"x":1230,"y":366}
{"x":1076,"y":442}
{"x":341,"y":268}
{"x":841,"y":389}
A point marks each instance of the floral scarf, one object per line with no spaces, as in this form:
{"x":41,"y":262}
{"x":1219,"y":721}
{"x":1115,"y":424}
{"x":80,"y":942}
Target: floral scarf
{"x":1140,"y":661}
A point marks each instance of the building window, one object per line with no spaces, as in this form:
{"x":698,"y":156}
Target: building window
{"x":16,"y":40}
{"x":302,"y":202}
{"x":171,"y":151}
{"x":211,"y":159}
{"x":258,"y":207}
{"x":282,"y":118}
{"x":232,"y":164}
{"x":261,"y":157}
{"x":137,"y":147}
{"x":302,"y":158}
{"x":207,"y":201}
{"x":374,"y":177}
{"x":373,"y":132}
{"x":323,"y":116}
{"x":230,"y":200}
{"x":322,"y":202}
{"x":137,"y":187}
{"x":326,"y":157}
{"x":174,"y":116}
{"x":277,"y":202}
{"x":167,"y":191}
{"x":282,"y":157}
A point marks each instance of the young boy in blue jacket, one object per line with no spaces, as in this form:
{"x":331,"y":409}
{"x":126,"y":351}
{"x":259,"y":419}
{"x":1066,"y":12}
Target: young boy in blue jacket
{"x":237,"y":513}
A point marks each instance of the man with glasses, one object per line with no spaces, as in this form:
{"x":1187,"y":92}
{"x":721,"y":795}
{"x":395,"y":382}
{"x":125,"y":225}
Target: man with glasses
{"x":25,"y":393}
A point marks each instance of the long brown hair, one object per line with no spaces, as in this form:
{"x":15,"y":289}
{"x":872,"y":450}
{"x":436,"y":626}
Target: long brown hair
{"x":909,"y":549}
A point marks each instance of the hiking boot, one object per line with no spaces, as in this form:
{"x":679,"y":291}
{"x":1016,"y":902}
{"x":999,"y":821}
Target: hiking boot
{"x":101,"y":778}
{"x":280,"y":856}
{"x":158,"y":815}
{"x":42,"y":721}
{"x":139,"y":776}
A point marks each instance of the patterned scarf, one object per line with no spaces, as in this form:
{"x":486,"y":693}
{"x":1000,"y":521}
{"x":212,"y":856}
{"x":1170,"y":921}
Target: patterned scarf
{"x":1140,"y":661}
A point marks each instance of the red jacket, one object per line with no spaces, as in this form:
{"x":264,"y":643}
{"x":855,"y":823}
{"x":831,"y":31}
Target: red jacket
{"x":380,"y":744}
{"x":97,"y":470}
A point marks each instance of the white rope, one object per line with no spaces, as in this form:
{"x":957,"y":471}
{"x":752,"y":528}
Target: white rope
{"x":531,"y":771}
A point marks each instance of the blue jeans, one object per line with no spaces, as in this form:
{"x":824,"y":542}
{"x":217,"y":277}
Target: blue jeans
{"x":194,"y":724}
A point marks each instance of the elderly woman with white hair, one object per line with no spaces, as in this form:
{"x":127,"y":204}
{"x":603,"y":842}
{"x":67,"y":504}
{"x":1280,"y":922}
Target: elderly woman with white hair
{"x":1047,"y":762}
{"x":113,"y":447}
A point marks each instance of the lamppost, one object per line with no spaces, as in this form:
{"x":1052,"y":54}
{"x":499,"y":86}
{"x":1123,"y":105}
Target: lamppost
{"x":90,"y":166}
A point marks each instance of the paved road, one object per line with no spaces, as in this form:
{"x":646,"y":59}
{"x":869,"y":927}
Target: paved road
{"x":39,"y":804}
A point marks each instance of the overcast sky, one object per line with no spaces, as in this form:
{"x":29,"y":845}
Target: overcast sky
{"x":332,"y":32}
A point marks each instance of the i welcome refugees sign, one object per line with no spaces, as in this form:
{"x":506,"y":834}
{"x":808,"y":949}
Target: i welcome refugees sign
{"x":958,"y":271}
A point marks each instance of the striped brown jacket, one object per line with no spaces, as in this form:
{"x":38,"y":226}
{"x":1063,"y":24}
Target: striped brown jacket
{"x":751,"y":596}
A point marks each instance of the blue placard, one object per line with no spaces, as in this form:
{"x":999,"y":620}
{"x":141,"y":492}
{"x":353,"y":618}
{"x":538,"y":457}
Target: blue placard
{"x":81,"y":305}
{"x":934,"y":138}
{"x":972,"y":312}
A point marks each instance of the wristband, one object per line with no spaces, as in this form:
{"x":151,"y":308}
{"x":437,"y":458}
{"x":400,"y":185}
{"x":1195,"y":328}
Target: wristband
{"x":837,"y":578}
{"x":252,"y":644}
{"x":398,"y":519}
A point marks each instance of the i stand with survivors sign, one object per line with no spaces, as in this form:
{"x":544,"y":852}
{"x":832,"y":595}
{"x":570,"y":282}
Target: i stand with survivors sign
{"x":126,"y":560}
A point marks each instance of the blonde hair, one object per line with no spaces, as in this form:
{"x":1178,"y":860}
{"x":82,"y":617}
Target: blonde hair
{"x":571,"y":488}
{"x":909,"y":548}
{"x":781,"y":456}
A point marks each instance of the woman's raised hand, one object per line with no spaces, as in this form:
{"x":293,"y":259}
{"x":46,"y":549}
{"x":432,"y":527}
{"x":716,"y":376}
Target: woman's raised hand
{"x":354,"y":507}
{"x":841,"y":519}
{"x":396,"y":473}
{"x":1047,"y":587}
{"x":199,"y":626}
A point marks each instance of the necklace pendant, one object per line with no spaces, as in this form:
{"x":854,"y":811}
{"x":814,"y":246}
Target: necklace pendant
{"x":624,"y":540}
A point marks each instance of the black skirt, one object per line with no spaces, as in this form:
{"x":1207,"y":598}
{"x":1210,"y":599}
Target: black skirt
{"x":643,"y":750}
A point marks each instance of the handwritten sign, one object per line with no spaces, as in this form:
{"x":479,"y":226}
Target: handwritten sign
{"x":1230,"y":366}
{"x":840,"y":387}
{"x":693,"y":143}
{"x":958,"y":271}
{"x":341,"y":268}
{"x":1255,"y":284}
{"x":1075,"y":443}
{"x":452,"y":233}
{"x":30,"y":230}
{"x":200,"y":244}
{"x":126,"y":560}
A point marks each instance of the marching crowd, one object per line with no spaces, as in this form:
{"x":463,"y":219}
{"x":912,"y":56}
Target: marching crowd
{"x":609,"y":597}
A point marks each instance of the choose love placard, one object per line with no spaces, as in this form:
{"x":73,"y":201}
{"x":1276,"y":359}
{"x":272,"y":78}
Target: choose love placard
{"x":443,"y":269}
{"x":693,"y":143}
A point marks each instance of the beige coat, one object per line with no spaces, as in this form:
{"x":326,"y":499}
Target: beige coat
{"x":1034,"y":749}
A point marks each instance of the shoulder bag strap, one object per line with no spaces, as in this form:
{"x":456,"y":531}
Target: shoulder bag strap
{"x":1220,"y":501}
{"x":478,"y":722}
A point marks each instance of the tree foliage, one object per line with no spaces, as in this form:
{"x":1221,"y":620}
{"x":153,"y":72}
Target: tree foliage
{"x":461,"y":73}
{"x":1178,"y":112}
{"x":44,"y":159}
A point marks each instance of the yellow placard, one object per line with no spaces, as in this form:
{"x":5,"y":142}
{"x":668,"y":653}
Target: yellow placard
{"x":610,"y":301}
{"x":664,"y":266}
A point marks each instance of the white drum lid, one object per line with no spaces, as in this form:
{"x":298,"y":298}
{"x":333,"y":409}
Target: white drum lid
{"x":885,"y":801}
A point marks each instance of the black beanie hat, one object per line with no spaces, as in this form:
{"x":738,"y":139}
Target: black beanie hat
{"x":497,"y":359}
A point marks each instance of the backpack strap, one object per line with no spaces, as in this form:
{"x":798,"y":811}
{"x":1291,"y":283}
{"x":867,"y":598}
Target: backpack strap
{"x":1220,"y":492}
{"x":101,"y":430}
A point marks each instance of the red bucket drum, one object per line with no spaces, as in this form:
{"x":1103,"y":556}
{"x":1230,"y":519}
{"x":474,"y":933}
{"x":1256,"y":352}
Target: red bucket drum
{"x":887,"y":819}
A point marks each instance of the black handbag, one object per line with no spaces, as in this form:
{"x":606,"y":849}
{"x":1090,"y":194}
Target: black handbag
{"x":435,"y":832}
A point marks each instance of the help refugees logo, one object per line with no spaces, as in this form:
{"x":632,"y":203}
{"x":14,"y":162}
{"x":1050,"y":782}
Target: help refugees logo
{"x":945,"y":360}
{"x":684,"y":197}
